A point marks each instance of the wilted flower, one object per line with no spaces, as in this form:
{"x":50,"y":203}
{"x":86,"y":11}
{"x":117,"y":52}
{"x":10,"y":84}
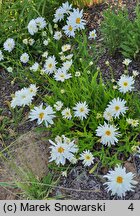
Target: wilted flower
{"x":58,"y":105}
{"x":34,"y":67}
{"x":135,"y":73}
{"x":127,"y":62}
{"x":66,"y":47}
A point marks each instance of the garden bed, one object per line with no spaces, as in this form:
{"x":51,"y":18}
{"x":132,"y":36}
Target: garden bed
{"x":80,"y":182}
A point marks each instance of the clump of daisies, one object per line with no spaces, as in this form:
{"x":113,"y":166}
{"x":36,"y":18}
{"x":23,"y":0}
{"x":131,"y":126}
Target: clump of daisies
{"x":36,"y":24}
{"x":50,"y":66}
{"x":24,"y":96}
{"x":62,"y":150}
{"x":74,"y":20}
{"x":119,"y":181}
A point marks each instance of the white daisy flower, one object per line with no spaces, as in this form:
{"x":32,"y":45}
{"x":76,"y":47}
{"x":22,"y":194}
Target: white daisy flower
{"x":117,"y":107}
{"x":81,"y":110}
{"x":66,"y":47}
{"x":69,"y":30}
{"x":66,"y":7}
{"x":57,"y":35}
{"x":9,"y":69}
{"x":59,"y":15}
{"x":76,"y":20}
{"x":87,"y":158}
{"x":32,"y":27}
{"x":62,"y":151}
{"x":66,"y":113}
{"x":41,"y":23}
{"x":61,"y":75}
{"x":34,"y":67}
{"x":9,"y":44}
{"x":92,"y":34}
{"x":33,"y":89}
{"x":66,"y":65}
{"x":58,"y":105}
{"x":119,"y":182}
{"x":21,"y":98}
{"x":125,"y":83}
{"x":133,"y":122}
{"x":108,"y":134}
{"x":42,"y":115}
{"x":108,"y":114}
{"x":127,"y":62}
{"x":58,"y":139}
{"x":1,"y":56}
{"x":31,"y":41}
{"x":50,"y":65}
{"x":24,"y":58}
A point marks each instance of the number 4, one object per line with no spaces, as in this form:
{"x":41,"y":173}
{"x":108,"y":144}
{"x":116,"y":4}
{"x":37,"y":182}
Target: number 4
{"x":131,"y":207}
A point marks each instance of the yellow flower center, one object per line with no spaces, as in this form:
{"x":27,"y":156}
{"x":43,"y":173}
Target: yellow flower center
{"x":87,"y":157}
{"x":62,"y":76}
{"x":60,"y":150}
{"x":78,"y":20}
{"x":119,"y":180}
{"x":50,"y":65}
{"x":41,"y":115}
{"x":82,"y":109}
{"x":23,"y":96}
{"x":117,"y":108}
{"x":108,"y":133}
{"x":70,"y":28}
{"x":125,"y":83}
